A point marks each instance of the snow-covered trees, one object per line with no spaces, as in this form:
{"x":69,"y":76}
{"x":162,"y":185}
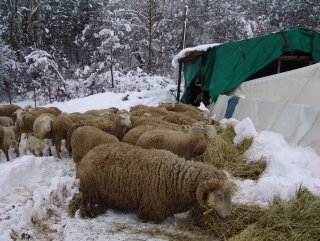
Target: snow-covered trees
{"x":91,"y":40}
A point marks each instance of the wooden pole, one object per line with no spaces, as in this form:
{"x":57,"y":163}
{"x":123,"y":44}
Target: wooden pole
{"x":182,"y":47}
{"x":179,"y":82}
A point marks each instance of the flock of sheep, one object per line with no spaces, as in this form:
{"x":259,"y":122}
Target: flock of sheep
{"x":147,"y":159}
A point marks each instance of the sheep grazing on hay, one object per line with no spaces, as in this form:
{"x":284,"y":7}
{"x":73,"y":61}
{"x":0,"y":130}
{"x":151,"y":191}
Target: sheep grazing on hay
{"x":187,"y":145}
{"x":7,"y":140}
{"x":157,"y":183}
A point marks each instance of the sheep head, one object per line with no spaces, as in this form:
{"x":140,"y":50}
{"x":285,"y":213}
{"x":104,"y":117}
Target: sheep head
{"x":46,"y":123}
{"x":215,"y":194}
{"x":125,"y":120}
{"x":19,"y":114}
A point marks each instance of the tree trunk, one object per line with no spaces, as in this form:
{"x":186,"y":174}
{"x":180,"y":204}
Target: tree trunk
{"x":8,"y":90}
{"x":149,"y":36}
{"x":34,"y":96}
{"x":111,"y":66}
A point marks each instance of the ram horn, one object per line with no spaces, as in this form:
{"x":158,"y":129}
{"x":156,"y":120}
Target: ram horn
{"x":204,"y":187}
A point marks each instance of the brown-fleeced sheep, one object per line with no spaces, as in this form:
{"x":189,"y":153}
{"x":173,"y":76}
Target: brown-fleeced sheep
{"x":59,"y":131}
{"x":117,"y":127}
{"x":154,"y":121}
{"x":157,"y":183}
{"x":187,"y":145}
{"x":24,"y":123}
{"x":149,"y":110}
{"x":84,"y":138}
{"x":7,"y":140}
{"x":8,"y":110}
{"x":6,"y":121}
{"x":180,"y":107}
{"x":102,"y":112}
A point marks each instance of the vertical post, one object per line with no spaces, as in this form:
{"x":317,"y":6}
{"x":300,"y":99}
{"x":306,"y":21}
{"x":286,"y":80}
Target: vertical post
{"x":111,"y":66}
{"x":34,"y":96}
{"x":182,"y":47}
{"x":179,"y":82}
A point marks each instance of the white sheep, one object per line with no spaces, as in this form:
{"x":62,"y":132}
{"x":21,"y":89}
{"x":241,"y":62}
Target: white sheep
{"x":36,"y":146}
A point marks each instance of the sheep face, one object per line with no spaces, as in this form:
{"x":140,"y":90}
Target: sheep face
{"x":220,"y":200}
{"x":19,"y":114}
{"x":215,"y":194}
{"x":125,"y":120}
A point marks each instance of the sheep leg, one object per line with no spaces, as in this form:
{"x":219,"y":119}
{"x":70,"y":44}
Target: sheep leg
{"x":5,"y":151}
{"x":57,"y":145}
{"x":50,"y":154}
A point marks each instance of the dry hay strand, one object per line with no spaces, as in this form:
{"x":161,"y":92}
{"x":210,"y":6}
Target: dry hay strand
{"x":296,"y":220}
{"x":227,"y":133}
{"x":212,"y":225}
{"x":223,"y":154}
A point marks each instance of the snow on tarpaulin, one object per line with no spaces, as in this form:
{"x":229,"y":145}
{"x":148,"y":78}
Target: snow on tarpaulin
{"x":183,"y":53}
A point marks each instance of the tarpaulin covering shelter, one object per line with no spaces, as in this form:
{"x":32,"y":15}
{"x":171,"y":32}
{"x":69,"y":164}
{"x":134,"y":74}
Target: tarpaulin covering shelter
{"x":223,"y":67}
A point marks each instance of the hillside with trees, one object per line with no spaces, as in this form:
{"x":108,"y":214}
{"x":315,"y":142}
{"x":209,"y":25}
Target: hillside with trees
{"x":62,"y":49}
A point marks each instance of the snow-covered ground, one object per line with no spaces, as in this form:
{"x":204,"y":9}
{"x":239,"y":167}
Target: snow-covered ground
{"x":35,"y":191}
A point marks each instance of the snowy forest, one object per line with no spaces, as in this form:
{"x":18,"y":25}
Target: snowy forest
{"x":63,"y":49}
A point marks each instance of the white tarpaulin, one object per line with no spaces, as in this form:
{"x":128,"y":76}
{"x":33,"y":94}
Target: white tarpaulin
{"x":289,"y":104}
{"x":300,"y":86}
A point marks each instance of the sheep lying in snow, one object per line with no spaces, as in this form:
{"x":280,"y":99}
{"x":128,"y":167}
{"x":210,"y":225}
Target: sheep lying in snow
{"x":7,"y":140}
{"x":157,"y":183}
{"x":6,"y":121}
{"x":36,"y":146}
{"x":85,"y":138}
{"x":187,"y":145}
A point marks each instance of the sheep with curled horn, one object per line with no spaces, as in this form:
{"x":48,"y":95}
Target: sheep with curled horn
{"x":156,"y":183}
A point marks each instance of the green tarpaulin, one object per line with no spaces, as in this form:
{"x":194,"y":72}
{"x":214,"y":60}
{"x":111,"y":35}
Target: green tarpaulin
{"x":224,"y":67}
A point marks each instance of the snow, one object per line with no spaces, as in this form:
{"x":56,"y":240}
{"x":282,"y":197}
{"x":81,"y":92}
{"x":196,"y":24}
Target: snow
{"x":35,"y":191}
{"x":183,"y":53}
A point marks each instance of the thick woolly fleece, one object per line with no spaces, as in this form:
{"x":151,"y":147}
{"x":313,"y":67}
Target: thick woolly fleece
{"x":157,"y":183}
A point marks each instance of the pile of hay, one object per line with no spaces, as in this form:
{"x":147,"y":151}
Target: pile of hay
{"x":216,"y":227}
{"x":222,"y":153}
{"x":296,"y":220}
